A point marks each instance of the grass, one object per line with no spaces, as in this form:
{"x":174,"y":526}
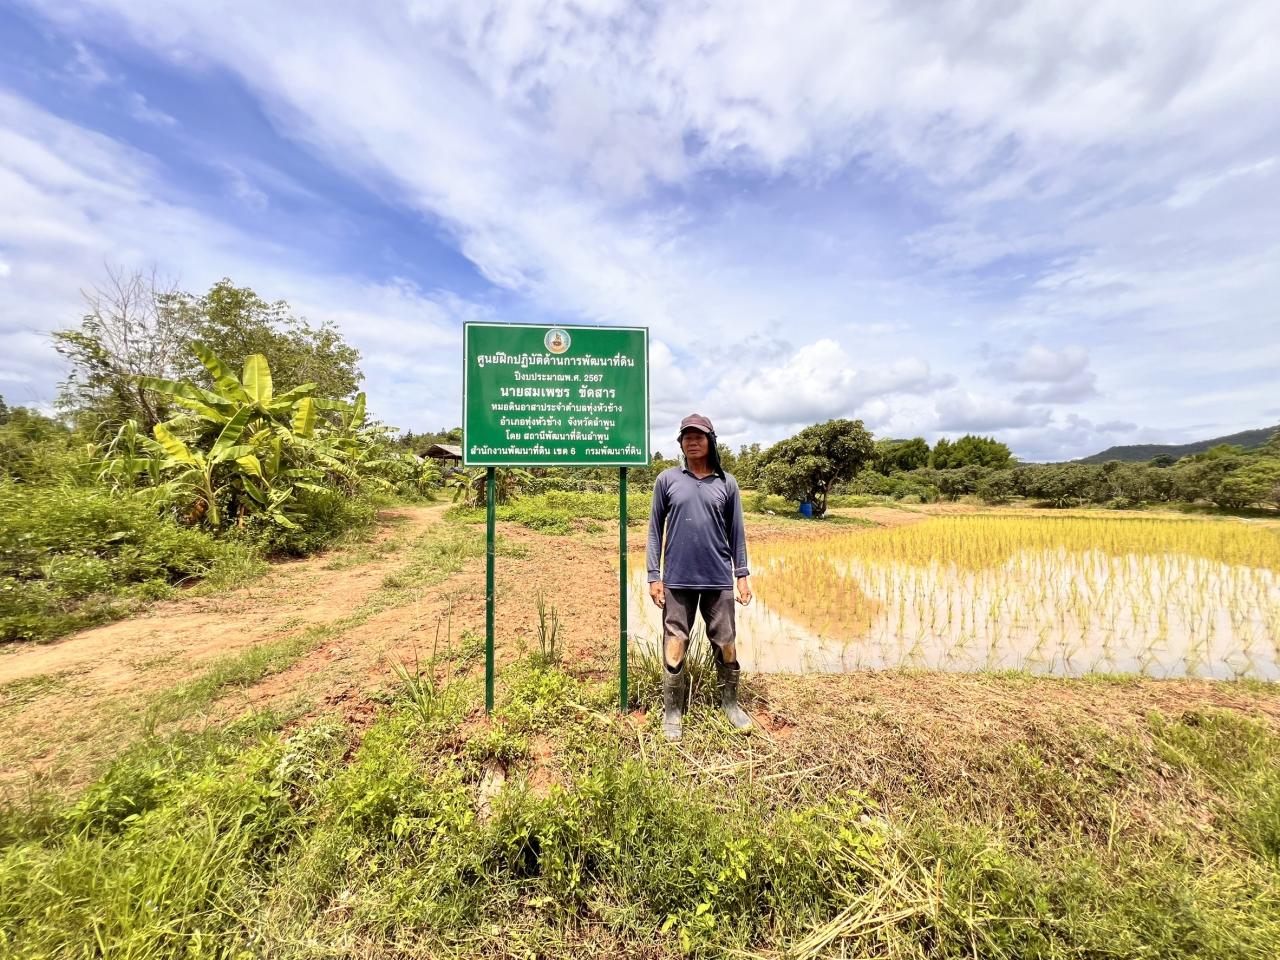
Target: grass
{"x":559,"y":512}
{"x":24,"y":690}
{"x":73,"y":557}
{"x":1154,"y":840}
{"x":432,"y":558}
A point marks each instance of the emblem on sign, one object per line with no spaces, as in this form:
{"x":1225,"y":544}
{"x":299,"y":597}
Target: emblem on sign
{"x":556,"y":340}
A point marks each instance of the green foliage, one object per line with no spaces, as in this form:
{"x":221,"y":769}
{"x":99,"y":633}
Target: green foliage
{"x":244,"y":325}
{"x":138,"y":327}
{"x":549,"y":653}
{"x":893,"y":456}
{"x":917,"y":485}
{"x":970,"y":451}
{"x":562,"y":513}
{"x":164,"y":856}
{"x":247,"y":455}
{"x":1253,"y":483}
{"x":35,"y":448}
{"x":997,"y":487}
{"x":71,"y":557}
{"x":246,"y":841}
{"x":470,"y":485}
{"x":806,"y":466}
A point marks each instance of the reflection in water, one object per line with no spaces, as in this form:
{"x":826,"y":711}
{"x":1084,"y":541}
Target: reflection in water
{"x":1047,"y":611}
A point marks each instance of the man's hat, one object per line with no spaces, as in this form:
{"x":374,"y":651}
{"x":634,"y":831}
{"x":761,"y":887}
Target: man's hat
{"x":696,"y":421}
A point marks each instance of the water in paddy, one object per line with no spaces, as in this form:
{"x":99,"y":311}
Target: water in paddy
{"x":1050,"y":612}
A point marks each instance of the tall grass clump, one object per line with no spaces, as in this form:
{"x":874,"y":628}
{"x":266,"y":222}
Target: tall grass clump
{"x":166,"y":856}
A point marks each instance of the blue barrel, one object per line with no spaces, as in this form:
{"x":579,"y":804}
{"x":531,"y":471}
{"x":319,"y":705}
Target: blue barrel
{"x":806,"y":510}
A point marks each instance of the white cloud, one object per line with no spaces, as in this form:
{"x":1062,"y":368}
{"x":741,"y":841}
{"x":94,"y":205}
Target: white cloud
{"x":74,"y":200}
{"x":85,"y":69}
{"x":919,"y":180}
{"x":1193,"y":190}
{"x":140,"y":110}
{"x":1055,"y":376}
{"x":1039,"y":364}
{"x":817,"y":382}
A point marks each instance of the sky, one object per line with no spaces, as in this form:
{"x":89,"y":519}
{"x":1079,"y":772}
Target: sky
{"x":1056,"y":223}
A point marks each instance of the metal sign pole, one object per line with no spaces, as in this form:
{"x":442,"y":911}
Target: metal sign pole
{"x":489,"y":484}
{"x":622,"y":589}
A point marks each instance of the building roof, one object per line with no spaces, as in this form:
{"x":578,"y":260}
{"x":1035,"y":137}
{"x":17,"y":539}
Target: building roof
{"x":444,"y":451}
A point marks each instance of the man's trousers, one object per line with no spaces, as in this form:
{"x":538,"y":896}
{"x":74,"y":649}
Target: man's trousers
{"x":677,"y":621}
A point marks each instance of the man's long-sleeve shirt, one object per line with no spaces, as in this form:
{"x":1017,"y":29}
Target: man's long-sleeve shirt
{"x":706,"y":542}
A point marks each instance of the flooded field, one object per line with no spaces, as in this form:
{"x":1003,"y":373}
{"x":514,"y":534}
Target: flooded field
{"x":1066,"y":596}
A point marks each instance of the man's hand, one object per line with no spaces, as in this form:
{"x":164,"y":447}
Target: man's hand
{"x":744,"y":590}
{"x":656,"y":593}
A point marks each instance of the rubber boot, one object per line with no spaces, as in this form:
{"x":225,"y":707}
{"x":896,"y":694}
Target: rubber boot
{"x":728,"y":676}
{"x":673,"y":694}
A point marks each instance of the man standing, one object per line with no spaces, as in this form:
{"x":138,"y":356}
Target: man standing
{"x":699,"y":508}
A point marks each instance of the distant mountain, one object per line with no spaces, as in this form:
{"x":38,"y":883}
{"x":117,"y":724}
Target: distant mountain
{"x":1142,"y":452}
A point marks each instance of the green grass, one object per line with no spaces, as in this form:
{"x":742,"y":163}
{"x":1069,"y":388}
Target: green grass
{"x":562,"y":512}
{"x":73,"y":557}
{"x":607,"y":842}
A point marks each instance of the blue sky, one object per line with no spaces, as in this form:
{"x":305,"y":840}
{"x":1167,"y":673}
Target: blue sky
{"x":1054,"y":223}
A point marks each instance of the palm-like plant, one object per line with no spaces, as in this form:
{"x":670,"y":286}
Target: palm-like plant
{"x":240,"y":449}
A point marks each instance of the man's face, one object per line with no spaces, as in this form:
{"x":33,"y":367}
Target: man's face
{"x":693,"y":443}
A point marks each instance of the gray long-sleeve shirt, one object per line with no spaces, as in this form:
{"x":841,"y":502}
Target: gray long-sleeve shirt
{"x":706,"y":543}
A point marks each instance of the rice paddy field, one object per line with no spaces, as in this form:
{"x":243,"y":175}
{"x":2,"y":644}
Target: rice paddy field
{"x":1063,"y":595}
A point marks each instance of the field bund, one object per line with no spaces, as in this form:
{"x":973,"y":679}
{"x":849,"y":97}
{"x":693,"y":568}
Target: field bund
{"x":1055,"y":595}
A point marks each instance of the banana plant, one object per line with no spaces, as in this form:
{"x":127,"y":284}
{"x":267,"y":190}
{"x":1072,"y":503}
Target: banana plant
{"x":253,"y":390}
{"x":129,"y":459}
{"x":241,"y":444}
{"x":196,"y":470}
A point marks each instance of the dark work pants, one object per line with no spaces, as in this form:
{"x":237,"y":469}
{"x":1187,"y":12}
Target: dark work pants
{"x":677,"y":621}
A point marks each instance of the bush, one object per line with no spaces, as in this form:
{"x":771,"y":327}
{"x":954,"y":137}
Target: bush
{"x":323,"y":518}
{"x":72,"y":557}
{"x":999,"y":487}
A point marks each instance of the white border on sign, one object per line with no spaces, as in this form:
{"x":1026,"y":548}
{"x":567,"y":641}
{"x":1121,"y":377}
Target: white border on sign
{"x":466,"y":334}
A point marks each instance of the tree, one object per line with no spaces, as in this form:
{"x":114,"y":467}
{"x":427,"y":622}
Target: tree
{"x":957,"y":482}
{"x":1259,"y":482}
{"x":238,"y":323}
{"x":970,"y":450}
{"x":127,"y":333}
{"x":806,"y":466}
{"x":747,"y":472}
{"x":33,"y":447}
{"x":138,"y":326}
{"x":896,"y":455}
{"x":1061,"y":484}
{"x":997,"y":487}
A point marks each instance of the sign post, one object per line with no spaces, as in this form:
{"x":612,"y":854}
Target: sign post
{"x":538,"y":396}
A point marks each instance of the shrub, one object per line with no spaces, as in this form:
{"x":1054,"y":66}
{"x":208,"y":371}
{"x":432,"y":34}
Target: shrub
{"x":328,"y":515}
{"x":72,"y":557}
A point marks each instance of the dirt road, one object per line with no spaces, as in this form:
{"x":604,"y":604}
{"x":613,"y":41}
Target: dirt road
{"x":68,"y":704}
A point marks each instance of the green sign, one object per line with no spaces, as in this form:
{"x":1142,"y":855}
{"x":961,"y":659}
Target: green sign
{"x":555,"y":396}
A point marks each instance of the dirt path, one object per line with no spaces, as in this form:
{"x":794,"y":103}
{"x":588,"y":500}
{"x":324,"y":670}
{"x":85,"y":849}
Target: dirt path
{"x":64,"y":702}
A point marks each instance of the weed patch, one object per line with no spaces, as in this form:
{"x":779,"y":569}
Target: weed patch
{"x":561,"y":512}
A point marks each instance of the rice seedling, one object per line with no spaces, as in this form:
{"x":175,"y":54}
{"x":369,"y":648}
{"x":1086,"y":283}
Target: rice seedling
{"x":1054,"y":595}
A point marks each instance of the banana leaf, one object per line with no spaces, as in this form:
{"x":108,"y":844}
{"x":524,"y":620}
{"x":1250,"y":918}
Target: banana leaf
{"x":257,"y":379}
{"x":228,"y":383}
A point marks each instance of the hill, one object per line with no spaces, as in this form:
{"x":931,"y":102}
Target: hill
{"x":1142,"y":452}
